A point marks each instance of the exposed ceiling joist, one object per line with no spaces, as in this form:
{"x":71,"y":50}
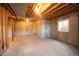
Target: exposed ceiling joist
{"x":46,"y":10}
{"x":51,"y":9}
{"x":56,"y":9}
{"x":63,"y":11}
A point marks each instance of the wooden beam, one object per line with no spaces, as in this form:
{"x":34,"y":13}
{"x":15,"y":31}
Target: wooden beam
{"x":56,"y":10}
{"x":62,"y":12}
{"x":10,"y":9}
{"x":51,"y":8}
{"x":53,"y":4}
{"x":34,"y":5}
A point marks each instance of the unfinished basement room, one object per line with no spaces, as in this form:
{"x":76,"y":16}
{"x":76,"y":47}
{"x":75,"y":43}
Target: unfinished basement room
{"x":39,"y":29}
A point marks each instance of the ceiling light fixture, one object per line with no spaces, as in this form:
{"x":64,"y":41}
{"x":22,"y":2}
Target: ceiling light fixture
{"x":27,"y":19}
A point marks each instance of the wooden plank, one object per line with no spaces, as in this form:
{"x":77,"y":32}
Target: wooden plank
{"x":52,"y":8}
{"x":56,"y":10}
{"x":63,"y":11}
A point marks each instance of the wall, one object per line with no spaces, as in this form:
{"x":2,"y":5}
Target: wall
{"x":4,"y":14}
{"x":37,"y":25}
{"x":27,"y":27}
{"x":0,"y":32}
{"x":23,"y":28}
{"x":42,"y":28}
{"x":73,"y":34}
{"x":39,"y":28}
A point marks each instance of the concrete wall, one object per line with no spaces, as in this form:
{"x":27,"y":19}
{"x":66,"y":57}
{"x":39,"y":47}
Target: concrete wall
{"x":42,"y":28}
{"x":39,"y":28}
{"x":21,"y":28}
{"x":73,"y":34}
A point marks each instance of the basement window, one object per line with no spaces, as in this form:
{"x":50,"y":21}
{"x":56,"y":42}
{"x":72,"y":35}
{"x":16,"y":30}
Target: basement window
{"x":63,"y":26}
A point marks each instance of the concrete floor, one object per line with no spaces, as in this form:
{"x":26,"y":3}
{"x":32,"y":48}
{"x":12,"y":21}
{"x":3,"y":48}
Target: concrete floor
{"x":35,"y":46}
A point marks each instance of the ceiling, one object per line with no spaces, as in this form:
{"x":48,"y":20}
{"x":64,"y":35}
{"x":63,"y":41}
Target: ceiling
{"x":43,"y":10}
{"x":19,"y":8}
